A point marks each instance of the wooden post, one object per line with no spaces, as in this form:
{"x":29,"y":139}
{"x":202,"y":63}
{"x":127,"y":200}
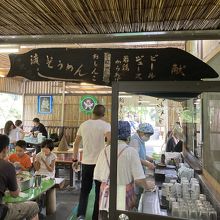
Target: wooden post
{"x":51,"y":201}
{"x":23,"y":99}
{"x":63,"y":104}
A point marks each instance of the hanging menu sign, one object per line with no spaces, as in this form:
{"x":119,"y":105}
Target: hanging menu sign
{"x":102,"y":66}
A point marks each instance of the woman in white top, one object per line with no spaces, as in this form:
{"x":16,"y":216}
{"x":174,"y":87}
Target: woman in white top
{"x":11,"y":131}
{"x":44,"y":162}
{"x":20,"y":131}
{"x":129,"y":168}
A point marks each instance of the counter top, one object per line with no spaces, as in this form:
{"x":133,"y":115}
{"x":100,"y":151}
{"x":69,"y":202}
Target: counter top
{"x":69,"y":151}
{"x":149,"y":203}
{"x":192,"y":161}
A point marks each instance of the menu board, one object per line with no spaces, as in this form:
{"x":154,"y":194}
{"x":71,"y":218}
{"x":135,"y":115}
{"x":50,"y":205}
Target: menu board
{"x":103,"y":66}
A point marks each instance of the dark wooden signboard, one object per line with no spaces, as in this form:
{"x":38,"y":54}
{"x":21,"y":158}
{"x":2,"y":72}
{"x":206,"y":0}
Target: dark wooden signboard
{"x":103,"y":66}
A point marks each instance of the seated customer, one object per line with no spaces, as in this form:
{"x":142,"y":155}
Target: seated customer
{"x":11,"y":132}
{"x":39,"y":127}
{"x":44,"y":162}
{"x":19,"y":128}
{"x":129,"y":171}
{"x":20,"y":159}
{"x":12,"y":211}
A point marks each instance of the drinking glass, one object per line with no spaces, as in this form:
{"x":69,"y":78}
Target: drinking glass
{"x":171,"y":202}
{"x":213,"y":215}
{"x":183,"y":179}
{"x":193,"y":214}
{"x":204,"y":214}
{"x":178,"y":190}
{"x":193,"y":180}
{"x":206,"y":204}
{"x":37,"y":181}
{"x":184,"y":212}
{"x":180,"y":200}
{"x":198,"y":202}
{"x":202,"y":197}
{"x":175,"y":210}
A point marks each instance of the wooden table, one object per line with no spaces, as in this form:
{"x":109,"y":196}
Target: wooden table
{"x":33,"y":142}
{"x":47,"y":185}
{"x":64,"y":158}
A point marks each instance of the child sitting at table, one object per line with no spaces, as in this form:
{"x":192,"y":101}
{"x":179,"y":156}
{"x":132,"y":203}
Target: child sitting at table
{"x":20,"y":159}
{"x":44,"y":162}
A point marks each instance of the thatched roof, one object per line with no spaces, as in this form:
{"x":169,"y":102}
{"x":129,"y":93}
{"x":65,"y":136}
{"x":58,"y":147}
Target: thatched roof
{"x":20,"y":17}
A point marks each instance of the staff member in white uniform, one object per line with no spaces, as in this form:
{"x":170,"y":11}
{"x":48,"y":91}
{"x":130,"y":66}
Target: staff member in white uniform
{"x":92,"y":133}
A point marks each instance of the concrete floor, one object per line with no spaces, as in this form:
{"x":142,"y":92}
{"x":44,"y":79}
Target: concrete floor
{"x":67,"y":199}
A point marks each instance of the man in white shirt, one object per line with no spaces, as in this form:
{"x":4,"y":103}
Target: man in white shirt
{"x":92,"y":133}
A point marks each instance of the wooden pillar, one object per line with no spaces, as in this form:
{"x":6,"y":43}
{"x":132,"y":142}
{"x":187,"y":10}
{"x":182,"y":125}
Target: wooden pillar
{"x":63,"y":104}
{"x":23,"y":99}
{"x":51,"y":201}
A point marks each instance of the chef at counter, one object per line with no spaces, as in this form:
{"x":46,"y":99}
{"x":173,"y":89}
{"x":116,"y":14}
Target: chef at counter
{"x":138,"y":140}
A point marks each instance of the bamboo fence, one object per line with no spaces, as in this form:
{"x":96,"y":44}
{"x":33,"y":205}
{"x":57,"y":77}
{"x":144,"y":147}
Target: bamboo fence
{"x":10,"y":85}
{"x":73,"y":117}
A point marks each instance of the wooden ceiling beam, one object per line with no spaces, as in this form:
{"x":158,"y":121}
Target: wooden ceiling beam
{"x":111,"y":38}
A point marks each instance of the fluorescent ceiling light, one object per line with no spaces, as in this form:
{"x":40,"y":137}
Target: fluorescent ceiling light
{"x":125,"y":96}
{"x":86,"y":84}
{"x":144,"y":101}
{"x":143,"y":43}
{"x":9,"y":50}
{"x":4,"y":69}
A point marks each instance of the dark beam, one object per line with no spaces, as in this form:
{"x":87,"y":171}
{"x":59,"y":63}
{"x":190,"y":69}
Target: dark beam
{"x":111,"y":38}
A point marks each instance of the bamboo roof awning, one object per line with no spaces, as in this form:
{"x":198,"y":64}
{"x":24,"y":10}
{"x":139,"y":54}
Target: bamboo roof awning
{"x":45,"y":17}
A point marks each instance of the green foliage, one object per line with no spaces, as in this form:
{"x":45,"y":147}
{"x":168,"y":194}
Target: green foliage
{"x":190,"y":116}
{"x":10,"y":108}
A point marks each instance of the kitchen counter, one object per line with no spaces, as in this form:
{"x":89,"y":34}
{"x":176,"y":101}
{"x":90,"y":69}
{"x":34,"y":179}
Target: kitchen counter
{"x":149,"y":203}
